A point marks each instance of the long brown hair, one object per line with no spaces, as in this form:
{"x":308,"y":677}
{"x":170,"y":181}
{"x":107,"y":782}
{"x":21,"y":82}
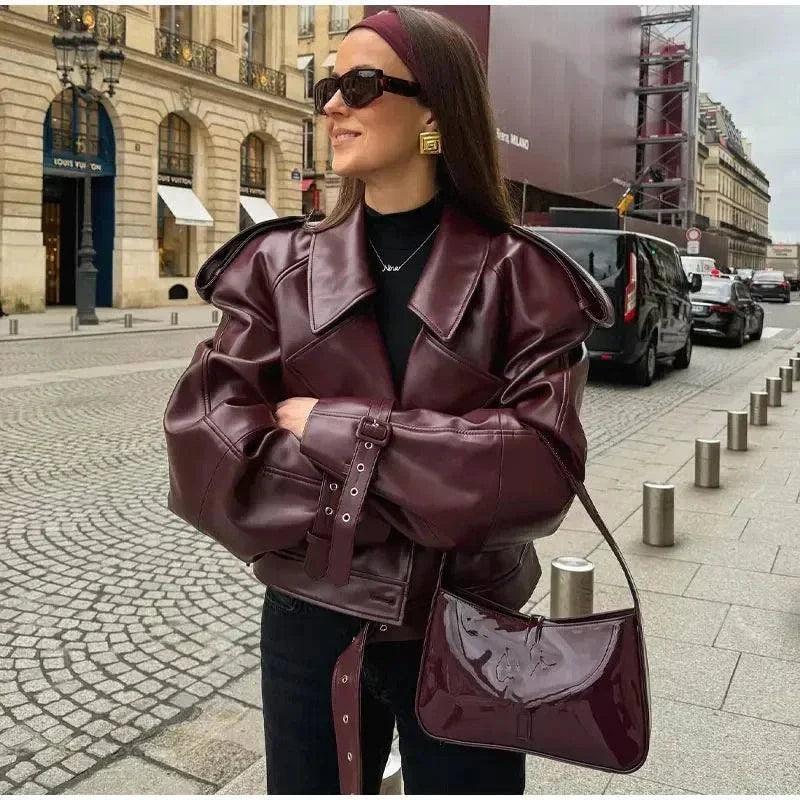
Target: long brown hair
{"x":454,"y":88}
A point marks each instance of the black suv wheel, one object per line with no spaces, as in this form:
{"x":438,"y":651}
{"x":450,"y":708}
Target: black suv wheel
{"x":644,"y":370}
{"x":684,"y":357}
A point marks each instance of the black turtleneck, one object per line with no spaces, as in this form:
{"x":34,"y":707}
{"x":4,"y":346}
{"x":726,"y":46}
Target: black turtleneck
{"x":396,"y":237}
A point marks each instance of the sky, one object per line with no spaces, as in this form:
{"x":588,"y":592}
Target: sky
{"x":750,"y":62}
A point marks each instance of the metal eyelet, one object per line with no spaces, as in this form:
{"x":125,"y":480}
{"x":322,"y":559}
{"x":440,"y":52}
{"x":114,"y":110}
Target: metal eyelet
{"x":333,"y":486}
{"x":368,"y":445}
{"x":328,"y":510}
{"x":349,"y":756}
{"x":345,"y":719}
{"x":344,"y":678}
{"x":360,"y":467}
{"x":345,"y":518}
{"x":384,"y":628}
{"x":354,"y":491}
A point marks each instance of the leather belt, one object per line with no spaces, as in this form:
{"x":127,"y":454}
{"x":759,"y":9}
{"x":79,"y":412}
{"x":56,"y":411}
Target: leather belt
{"x":331,"y":541}
{"x":330,"y":554}
{"x":346,"y":706}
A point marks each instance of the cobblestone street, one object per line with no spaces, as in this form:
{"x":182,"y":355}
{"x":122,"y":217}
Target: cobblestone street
{"x":117,"y":620}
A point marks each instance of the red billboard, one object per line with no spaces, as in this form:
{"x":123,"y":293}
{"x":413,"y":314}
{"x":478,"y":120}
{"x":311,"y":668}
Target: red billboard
{"x":563,"y":84}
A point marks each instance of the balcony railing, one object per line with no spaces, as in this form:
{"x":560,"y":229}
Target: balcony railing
{"x":185,"y":52}
{"x":338,"y":25}
{"x":258,"y":76}
{"x":103,"y":22}
{"x":305,"y":30}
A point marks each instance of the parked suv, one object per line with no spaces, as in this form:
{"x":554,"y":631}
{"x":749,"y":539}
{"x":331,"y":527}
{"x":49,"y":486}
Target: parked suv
{"x":645,"y":281}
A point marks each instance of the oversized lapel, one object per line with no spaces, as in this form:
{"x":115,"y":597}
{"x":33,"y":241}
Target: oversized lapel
{"x":451,"y":273}
{"x":339,"y":277}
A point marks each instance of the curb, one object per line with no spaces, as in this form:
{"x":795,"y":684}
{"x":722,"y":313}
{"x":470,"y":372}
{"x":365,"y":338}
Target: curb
{"x":81,"y":333}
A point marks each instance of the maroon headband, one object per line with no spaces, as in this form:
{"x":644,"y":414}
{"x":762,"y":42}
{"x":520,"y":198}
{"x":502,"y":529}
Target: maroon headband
{"x":388,"y":26}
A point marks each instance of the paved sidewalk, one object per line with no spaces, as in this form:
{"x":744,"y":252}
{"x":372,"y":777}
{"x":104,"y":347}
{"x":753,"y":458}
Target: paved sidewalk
{"x":721,"y":607}
{"x":55,"y":321}
{"x":722,"y":615}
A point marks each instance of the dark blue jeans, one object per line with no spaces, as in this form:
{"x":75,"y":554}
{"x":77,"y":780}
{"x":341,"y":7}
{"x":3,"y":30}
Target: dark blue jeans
{"x":300,"y":643}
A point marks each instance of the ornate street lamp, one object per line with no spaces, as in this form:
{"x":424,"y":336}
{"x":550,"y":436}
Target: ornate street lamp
{"x":79,"y":49}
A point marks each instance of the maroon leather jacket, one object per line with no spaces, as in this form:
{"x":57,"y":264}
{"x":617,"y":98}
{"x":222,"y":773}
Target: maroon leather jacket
{"x":355,"y":515}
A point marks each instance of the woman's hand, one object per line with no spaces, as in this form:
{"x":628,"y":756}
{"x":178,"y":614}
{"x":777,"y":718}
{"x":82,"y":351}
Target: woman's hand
{"x":292,"y":414}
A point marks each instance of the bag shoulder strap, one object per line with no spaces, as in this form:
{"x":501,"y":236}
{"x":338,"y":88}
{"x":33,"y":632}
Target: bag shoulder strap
{"x":594,"y":514}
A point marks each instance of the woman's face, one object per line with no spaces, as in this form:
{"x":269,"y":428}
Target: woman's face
{"x":388,"y":129}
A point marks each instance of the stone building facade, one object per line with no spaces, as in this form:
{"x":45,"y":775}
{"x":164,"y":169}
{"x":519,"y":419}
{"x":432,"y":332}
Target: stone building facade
{"x":735,"y":192}
{"x":320,"y":30}
{"x":203,"y":136}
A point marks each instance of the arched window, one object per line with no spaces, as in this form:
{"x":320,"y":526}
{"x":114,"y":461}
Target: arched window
{"x":253,"y":172}
{"x":174,"y":146}
{"x":74,"y":125}
{"x":174,"y":158}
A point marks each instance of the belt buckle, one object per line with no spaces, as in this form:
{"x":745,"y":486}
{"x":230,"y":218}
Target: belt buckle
{"x":372,"y":430}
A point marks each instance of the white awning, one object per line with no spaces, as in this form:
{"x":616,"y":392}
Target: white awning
{"x":330,"y":61}
{"x":185,"y":205}
{"x":257,"y":208}
{"x":303,"y":61}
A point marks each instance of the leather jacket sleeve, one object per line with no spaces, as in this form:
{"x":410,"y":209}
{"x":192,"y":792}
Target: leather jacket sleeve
{"x":485,"y":479}
{"x":222,"y":437}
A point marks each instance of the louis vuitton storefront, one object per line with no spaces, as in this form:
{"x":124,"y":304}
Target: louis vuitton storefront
{"x":77,"y":141}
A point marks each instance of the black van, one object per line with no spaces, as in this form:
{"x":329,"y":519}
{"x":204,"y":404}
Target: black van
{"x":643,"y":276}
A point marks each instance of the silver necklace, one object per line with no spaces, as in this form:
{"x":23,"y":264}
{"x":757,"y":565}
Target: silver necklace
{"x":391,"y":267}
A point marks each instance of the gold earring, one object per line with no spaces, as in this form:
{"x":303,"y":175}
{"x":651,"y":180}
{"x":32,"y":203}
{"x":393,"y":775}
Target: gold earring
{"x":430,"y":143}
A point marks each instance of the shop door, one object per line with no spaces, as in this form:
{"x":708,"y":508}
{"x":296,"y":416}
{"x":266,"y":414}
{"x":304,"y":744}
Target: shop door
{"x":51,"y":227}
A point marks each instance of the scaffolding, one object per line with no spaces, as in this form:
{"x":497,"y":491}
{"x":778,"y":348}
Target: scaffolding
{"x":666,"y":126}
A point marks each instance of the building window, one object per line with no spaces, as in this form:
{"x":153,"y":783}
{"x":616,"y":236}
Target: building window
{"x":174,"y":158}
{"x":174,"y":146}
{"x":339,"y":19}
{"x":177,"y":20}
{"x":253,"y":173}
{"x":74,"y":127}
{"x":305,"y":20}
{"x":308,"y":144}
{"x":173,"y":245}
{"x":308,"y":76}
{"x":254,"y":38}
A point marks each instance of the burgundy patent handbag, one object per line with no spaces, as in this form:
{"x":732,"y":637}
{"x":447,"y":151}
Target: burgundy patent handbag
{"x":575,"y":690}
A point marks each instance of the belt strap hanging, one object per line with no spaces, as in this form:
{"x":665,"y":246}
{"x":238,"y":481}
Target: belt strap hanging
{"x":346,"y":706}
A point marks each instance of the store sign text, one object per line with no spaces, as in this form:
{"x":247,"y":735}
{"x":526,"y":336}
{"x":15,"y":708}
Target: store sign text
{"x":175,"y":180}
{"x":513,"y":139}
{"x":70,"y":163}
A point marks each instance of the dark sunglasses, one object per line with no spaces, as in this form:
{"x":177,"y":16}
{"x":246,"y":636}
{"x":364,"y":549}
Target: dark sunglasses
{"x":359,"y":87}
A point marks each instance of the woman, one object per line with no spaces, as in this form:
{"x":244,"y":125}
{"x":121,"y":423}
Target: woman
{"x":376,"y":395}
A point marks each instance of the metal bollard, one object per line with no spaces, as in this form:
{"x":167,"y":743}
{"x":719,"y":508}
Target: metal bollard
{"x":794,"y":363}
{"x":706,"y":463}
{"x":737,"y":430}
{"x":215,"y":317}
{"x":658,"y":514}
{"x":571,"y":587}
{"x":173,"y":318}
{"x":128,"y":320}
{"x":13,"y":327}
{"x":773,"y":392}
{"x":74,"y":322}
{"x":786,"y":378}
{"x":758,"y":408}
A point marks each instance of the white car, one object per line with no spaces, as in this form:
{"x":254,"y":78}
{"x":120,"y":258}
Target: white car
{"x":699,"y":265}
